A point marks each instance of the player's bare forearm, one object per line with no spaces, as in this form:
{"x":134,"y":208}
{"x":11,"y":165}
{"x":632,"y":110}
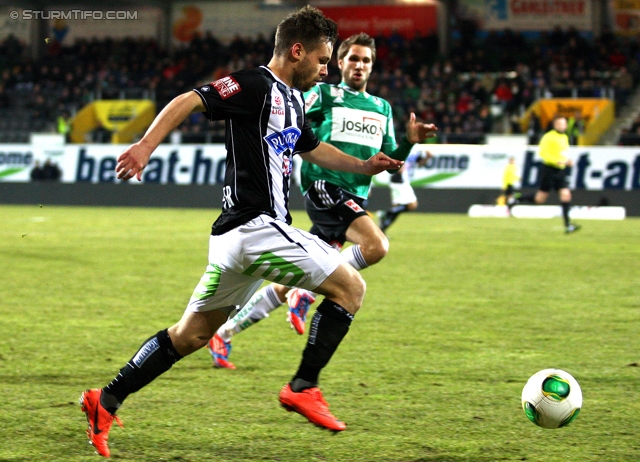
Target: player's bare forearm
{"x":170,"y":117}
{"x":330,"y":157}
{"x":135,"y":158}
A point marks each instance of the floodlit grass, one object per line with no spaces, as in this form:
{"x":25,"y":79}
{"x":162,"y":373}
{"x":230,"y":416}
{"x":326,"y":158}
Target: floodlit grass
{"x":456,"y":318}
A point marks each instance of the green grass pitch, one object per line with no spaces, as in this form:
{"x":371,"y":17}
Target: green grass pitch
{"x":456,"y":318}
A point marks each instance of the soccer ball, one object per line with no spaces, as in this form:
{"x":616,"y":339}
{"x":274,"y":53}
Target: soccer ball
{"x":551,"y":398}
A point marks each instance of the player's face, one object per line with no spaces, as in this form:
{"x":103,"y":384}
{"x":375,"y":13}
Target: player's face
{"x":560,"y":124}
{"x":355,"y":67}
{"x":313,"y":67}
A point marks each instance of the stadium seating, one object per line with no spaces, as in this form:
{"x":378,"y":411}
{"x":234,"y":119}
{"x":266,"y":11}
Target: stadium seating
{"x":481,"y":87}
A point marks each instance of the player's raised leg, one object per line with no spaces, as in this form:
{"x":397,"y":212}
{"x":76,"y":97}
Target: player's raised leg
{"x":261,"y":304}
{"x":156,"y":356}
{"x":344,"y":291}
{"x":370,"y":245}
{"x":217,"y":294}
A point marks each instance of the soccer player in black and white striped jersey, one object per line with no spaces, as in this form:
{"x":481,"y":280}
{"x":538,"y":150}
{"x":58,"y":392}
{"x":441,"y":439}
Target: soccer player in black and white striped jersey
{"x":253,"y":240}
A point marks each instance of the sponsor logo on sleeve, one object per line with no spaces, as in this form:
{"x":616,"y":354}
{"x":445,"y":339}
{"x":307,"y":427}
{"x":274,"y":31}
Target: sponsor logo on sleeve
{"x":226,"y":86}
{"x":309,"y":100}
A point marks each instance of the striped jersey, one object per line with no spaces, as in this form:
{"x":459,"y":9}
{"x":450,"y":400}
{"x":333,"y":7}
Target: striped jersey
{"x":355,"y":122}
{"x":265,"y":127}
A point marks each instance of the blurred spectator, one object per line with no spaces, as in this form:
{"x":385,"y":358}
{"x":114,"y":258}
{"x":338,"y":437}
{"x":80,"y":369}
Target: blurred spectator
{"x":37,"y":172}
{"x":575,"y":127}
{"x":623,"y":84}
{"x":101,"y":134}
{"x":51,"y":171}
{"x":4,"y":98}
{"x":503,"y":95}
{"x":63,"y":125}
{"x":11,"y":49}
{"x":457,"y":92}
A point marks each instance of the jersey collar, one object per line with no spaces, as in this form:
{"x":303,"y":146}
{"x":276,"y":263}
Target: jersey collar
{"x":276,"y":77}
{"x":351,"y":90}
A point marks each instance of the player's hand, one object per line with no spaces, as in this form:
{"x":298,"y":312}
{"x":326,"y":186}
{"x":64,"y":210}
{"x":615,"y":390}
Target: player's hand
{"x":131,"y":162}
{"x":417,"y":132}
{"x":379,"y":163}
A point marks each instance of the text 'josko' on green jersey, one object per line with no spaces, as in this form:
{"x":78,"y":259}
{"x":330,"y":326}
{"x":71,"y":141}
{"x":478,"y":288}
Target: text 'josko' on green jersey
{"x":357,"y":123}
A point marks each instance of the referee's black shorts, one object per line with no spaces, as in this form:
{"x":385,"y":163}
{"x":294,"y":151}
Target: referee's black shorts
{"x":332,"y":210}
{"x":552,"y":178}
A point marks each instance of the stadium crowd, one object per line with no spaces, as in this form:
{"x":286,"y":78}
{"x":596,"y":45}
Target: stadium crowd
{"x":482,"y":80}
{"x":631,"y":136}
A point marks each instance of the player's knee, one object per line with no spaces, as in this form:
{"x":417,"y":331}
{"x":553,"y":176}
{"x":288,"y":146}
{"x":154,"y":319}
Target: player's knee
{"x":540,"y":197}
{"x":378,"y":249}
{"x":355,"y":290}
{"x":281,"y":291}
{"x":195,"y":330}
{"x":412,"y":206}
{"x":345,"y":287}
{"x":351,"y":291}
{"x":186,"y":342}
{"x":565,"y":195}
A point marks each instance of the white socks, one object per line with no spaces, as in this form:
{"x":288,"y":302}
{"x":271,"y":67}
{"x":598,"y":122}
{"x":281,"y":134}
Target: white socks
{"x":261,"y":304}
{"x":353,"y":256}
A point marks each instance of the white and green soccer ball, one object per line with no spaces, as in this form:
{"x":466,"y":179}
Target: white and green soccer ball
{"x":551,"y":398}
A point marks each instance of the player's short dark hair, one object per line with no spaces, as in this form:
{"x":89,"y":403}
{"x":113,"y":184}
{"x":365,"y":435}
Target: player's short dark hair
{"x":308,"y":26}
{"x":358,"y":39}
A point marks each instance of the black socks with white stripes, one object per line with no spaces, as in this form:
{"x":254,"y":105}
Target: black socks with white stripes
{"x":329,"y":325}
{"x":155,"y":356}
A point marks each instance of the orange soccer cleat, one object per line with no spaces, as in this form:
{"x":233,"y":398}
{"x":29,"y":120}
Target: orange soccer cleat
{"x":312,"y":405}
{"x":99,"y":420}
{"x":220,"y":351}
{"x":299,"y":301}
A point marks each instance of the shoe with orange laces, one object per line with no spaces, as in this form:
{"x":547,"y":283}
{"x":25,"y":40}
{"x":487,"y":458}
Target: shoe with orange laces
{"x":99,"y":420}
{"x":220,"y":351}
{"x":299,"y":301}
{"x":312,"y":405}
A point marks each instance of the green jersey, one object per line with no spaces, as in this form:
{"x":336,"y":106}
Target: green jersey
{"x":357,"y":123}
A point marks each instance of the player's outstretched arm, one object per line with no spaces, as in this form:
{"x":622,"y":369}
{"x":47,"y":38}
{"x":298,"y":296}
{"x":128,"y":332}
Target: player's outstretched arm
{"x":330,"y":157}
{"x":135,"y":158}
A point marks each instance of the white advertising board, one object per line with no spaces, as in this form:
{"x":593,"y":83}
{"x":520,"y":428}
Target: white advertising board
{"x":482,"y":166}
{"x":577,"y":212}
{"x":95,"y":163}
{"x":452,"y":166}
